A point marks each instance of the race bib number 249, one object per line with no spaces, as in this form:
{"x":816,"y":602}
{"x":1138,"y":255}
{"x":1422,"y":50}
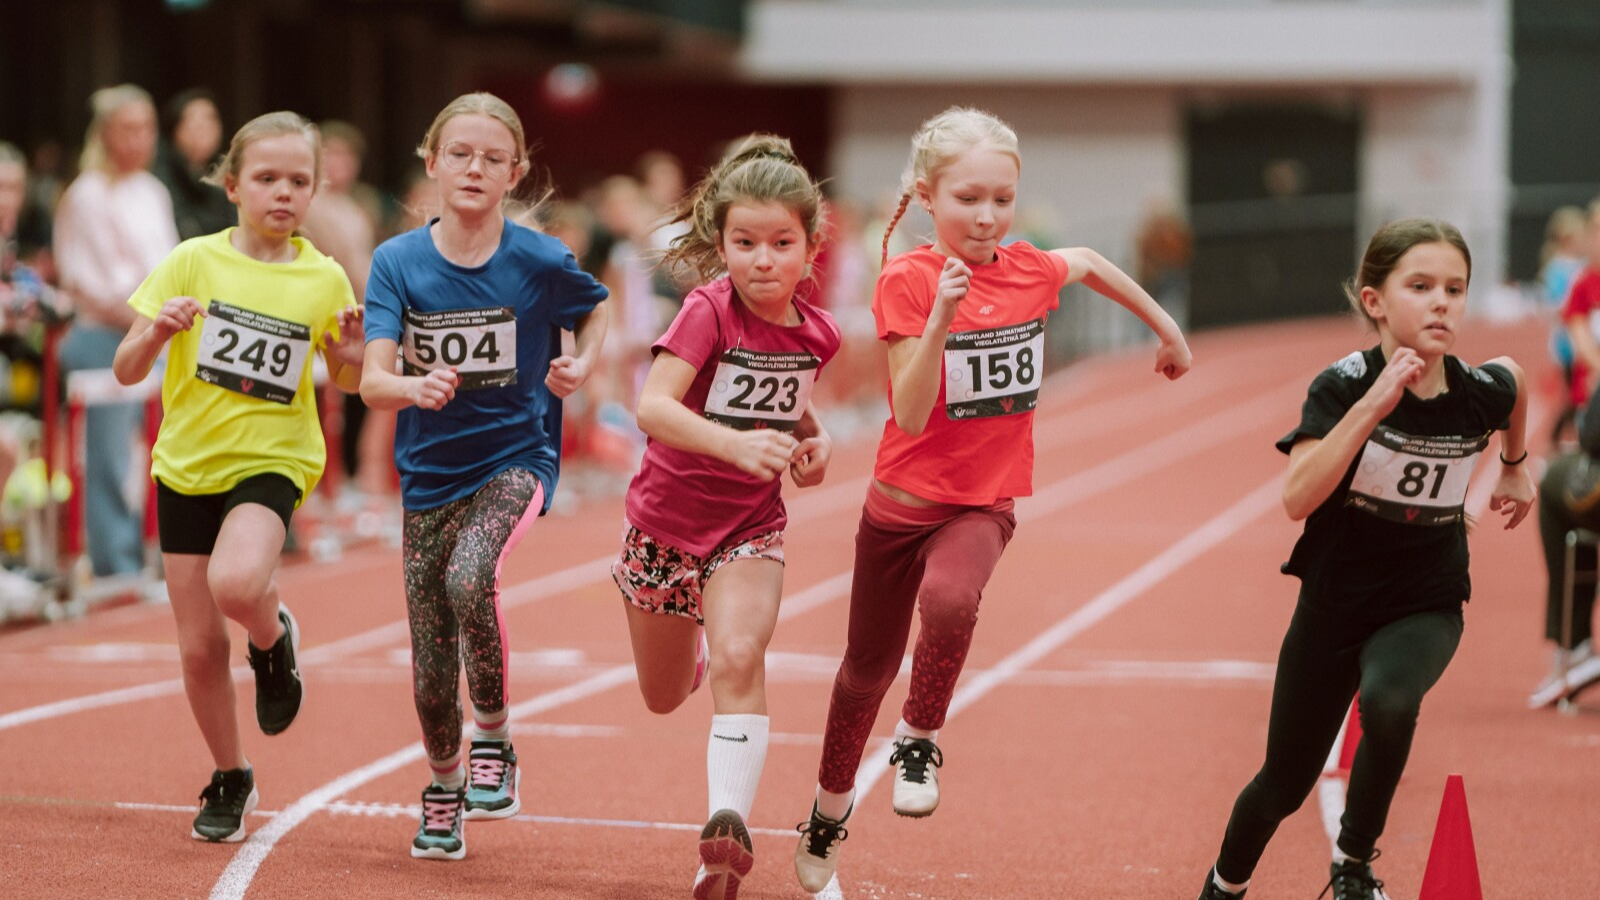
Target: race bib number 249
{"x":252,"y":353}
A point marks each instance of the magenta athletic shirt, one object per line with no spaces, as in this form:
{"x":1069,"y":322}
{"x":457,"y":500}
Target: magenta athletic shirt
{"x":752,"y":373}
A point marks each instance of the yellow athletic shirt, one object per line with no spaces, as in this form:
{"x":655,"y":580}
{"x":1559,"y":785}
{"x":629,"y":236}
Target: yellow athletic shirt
{"x":238,"y":394}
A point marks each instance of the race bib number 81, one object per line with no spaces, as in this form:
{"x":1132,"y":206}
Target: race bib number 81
{"x":752,"y":389}
{"x":994,"y":372}
{"x":1414,"y":480}
{"x":252,"y":353}
{"x":480,"y":344}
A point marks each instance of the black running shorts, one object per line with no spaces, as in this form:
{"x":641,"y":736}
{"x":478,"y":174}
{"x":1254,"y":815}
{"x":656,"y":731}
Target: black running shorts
{"x":190,"y":523}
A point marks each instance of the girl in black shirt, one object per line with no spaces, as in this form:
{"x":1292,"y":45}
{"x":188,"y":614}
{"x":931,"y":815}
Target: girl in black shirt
{"x":1378,"y":468}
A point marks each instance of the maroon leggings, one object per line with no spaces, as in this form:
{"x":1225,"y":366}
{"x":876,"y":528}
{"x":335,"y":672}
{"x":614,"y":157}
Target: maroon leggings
{"x":942,"y":556}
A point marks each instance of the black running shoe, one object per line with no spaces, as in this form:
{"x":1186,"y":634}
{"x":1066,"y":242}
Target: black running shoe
{"x":1353,"y":880}
{"x":1212,"y":892}
{"x":223,"y":805}
{"x":278,"y":686}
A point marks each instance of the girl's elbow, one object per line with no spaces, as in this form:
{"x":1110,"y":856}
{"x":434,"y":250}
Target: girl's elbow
{"x":910,"y":427}
{"x":1295,"y":506}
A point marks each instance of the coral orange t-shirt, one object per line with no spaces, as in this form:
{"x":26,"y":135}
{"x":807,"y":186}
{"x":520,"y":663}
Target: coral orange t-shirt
{"x":978,"y":444}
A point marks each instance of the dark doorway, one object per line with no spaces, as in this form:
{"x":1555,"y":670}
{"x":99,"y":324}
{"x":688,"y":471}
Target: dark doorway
{"x":1272,"y":196}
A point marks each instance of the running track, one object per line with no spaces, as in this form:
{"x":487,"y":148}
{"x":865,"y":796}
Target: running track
{"x":1114,"y":703}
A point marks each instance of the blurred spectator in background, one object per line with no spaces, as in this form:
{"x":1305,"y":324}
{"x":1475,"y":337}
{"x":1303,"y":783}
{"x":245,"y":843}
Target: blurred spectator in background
{"x":345,"y":226}
{"x":113,"y":226}
{"x":1580,"y":313}
{"x":661,"y":175}
{"x":1165,"y":247}
{"x":419,"y":203}
{"x":193,"y":128}
{"x":1561,"y":259}
{"x":638,"y":313}
{"x":1569,"y":498}
{"x":845,"y":271}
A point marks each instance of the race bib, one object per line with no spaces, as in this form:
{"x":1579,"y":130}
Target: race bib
{"x":252,"y":353}
{"x":994,"y":372}
{"x":480,"y":344}
{"x":752,"y":389}
{"x":1414,"y":480}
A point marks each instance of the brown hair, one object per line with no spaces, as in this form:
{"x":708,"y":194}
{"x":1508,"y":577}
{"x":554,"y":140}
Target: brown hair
{"x":1389,"y":244}
{"x":939,"y":142}
{"x":265,"y":126}
{"x":762,"y":168}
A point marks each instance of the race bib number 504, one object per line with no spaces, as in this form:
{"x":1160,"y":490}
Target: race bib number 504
{"x":994,"y":372}
{"x":252,"y":353}
{"x":752,"y":389}
{"x":480,"y":344}
{"x":1414,"y":480}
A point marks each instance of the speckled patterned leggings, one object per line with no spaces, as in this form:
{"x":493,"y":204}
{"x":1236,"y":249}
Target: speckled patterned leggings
{"x":453,"y":555}
{"x":940,"y":555}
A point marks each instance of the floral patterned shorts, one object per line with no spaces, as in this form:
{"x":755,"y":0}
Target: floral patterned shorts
{"x":661,"y":578}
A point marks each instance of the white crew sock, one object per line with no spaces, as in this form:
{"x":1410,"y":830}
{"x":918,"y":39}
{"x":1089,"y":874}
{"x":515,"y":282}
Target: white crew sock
{"x":449,"y":774}
{"x":1228,"y":886}
{"x":495,"y":726}
{"x":735,"y":753}
{"x":904,"y":730}
{"x":835,"y":806}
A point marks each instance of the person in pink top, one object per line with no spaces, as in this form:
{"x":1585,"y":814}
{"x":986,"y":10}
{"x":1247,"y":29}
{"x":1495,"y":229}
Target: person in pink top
{"x":964,"y":320}
{"x":727,"y":409}
{"x":113,"y":227}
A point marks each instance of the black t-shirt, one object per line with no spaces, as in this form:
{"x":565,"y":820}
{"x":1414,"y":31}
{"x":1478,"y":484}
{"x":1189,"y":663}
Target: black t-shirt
{"x":1394,"y":542}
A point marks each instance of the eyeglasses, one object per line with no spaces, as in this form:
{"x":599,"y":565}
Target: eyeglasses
{"x":457,"y":157}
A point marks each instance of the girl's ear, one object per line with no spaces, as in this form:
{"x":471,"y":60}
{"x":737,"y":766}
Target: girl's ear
{"x":1372,"y":302}
{"x":716,"y":239}
{"x":230,"y":186}
{"x":924,"y":194}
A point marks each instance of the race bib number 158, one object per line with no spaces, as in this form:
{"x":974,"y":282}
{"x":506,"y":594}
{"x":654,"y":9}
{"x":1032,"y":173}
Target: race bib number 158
{"x":251,"y":353}
{"x":994,"y":372}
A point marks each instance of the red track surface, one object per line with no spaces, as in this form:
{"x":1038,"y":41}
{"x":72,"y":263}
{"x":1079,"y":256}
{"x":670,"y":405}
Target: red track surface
{"x":1102,"y":762}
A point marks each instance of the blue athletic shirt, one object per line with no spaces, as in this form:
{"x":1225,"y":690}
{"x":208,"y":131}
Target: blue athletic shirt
{"x":447,"y":454}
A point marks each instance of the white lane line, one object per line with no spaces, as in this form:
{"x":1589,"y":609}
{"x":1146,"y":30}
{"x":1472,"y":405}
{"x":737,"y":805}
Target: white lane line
{"x":807,"y":506}
{"x":404,"y":811}
{"x":1195,"y":544}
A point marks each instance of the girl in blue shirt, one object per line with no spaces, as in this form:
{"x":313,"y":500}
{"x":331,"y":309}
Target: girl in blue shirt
{"x":472,"y":305}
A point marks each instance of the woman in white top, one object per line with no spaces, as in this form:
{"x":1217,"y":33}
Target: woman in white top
{"x":113,"y":226}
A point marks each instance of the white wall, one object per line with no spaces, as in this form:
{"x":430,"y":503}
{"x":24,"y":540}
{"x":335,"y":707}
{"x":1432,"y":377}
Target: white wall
{"x":1093,"y":156}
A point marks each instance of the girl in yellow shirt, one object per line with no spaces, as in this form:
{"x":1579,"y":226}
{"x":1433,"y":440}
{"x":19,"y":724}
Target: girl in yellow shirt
{"x":240,"y":312}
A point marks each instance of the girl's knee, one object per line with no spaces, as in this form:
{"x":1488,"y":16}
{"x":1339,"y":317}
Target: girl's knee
{"x":662,"y":700}
{"x":738,"y":662}
{"x":948,"y":608}
{"x":1391,"y":709}
{"x":238,"y":595}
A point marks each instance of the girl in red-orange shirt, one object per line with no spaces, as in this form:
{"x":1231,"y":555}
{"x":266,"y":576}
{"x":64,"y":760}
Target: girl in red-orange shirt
{"x":964,"y":320}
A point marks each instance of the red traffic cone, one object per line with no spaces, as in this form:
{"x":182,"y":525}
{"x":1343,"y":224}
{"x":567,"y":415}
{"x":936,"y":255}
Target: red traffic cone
{"x":1452,"y":872}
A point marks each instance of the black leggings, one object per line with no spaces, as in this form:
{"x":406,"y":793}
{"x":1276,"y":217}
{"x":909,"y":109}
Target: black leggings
{"x":1325,"y":659}
{"x":1569,"y":497}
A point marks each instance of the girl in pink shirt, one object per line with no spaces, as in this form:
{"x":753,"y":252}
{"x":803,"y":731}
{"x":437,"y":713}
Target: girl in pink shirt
{"x":727,"y":408}
{"x":964,"y":320}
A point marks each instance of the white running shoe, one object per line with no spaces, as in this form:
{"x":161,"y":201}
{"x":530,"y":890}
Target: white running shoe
{"x":1557,"y":684}
{"x":816,"y":859}
{"x":916,"y":778}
